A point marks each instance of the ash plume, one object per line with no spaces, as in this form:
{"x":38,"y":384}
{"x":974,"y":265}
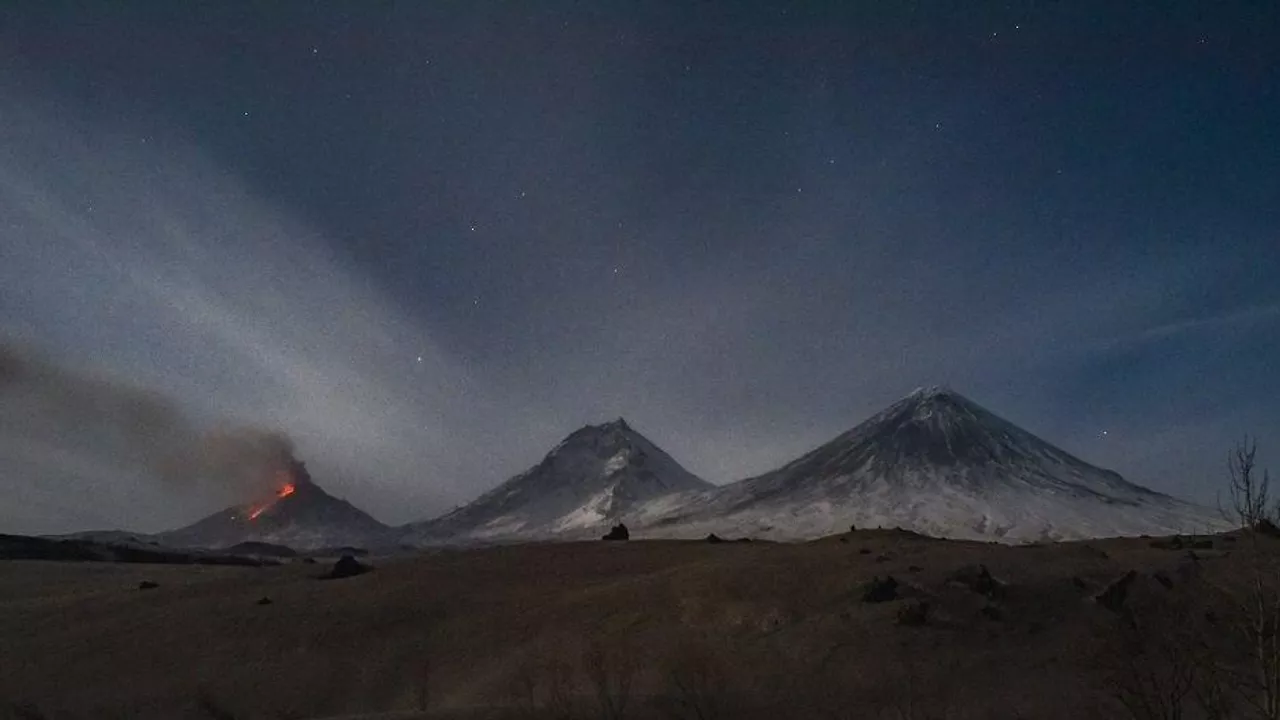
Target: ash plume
{"x":59,"y":424}
{"x":244,"y":459}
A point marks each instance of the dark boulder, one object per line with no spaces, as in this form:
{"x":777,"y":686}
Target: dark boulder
{"x":618,"y":532}
{"x":914,"y":613}
{"x":148,"y":585}
{"x":978,"y":579}
{"x":714,"y":538}
{"x":264,"y":600}
{"x":346,"y":566}
{"x":879,"y":590}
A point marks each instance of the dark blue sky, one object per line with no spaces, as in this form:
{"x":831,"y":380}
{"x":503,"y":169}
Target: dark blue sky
{"x":744,"y":226}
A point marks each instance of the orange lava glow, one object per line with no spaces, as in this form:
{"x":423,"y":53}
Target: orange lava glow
{"x":287,"y":488}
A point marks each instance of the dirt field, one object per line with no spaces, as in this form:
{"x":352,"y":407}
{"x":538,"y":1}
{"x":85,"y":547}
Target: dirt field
{"x":663,"y":629}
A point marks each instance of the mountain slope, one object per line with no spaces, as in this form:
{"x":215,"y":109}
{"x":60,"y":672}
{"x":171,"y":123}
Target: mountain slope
{"x":594,"y":477}
{"x":301,"y":515}
{"x":937,"y":463}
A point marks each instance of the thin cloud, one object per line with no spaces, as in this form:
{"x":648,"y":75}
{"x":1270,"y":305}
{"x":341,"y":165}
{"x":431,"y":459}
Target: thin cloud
{"x":1231,"y":320}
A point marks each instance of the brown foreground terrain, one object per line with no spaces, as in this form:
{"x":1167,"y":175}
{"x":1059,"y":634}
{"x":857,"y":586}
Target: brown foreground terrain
{"x":616,"y":630}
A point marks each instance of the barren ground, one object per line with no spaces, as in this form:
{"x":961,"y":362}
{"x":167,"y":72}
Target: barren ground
{"x":713,"y":630}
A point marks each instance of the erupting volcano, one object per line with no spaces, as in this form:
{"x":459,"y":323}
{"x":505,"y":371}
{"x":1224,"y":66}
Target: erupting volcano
{"x":287,"y":488}
{"x":298,"y":513}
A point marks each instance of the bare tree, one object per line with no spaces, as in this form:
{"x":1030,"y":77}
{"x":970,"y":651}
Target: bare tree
{"x":1254,"y":621}
{"x":1255,"y":599}
{"x":1211,"y":648}
{"x":1249,"y":493}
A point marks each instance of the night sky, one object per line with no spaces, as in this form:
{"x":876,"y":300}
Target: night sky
{"x":427,"y":240}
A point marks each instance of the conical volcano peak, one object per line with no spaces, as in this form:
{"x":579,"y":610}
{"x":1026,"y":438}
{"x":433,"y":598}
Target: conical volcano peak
{"x":936,"y":395}
{"x":939,"y":426}
{"x":930,"y":392}
{"x":614,"y":428}
{"x":591,"y":479}
{"x":614,"y":435}
{"x":296,"y":512}
{"x":937,"y":405}
{"x":618,"y":426}
{"x":938,"y":463}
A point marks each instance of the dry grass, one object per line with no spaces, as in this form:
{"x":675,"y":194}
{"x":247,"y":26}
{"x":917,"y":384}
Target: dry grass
{"x":589,"y":630}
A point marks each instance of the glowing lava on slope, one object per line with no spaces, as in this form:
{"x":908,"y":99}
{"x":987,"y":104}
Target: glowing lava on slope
{"x":287,"y":488}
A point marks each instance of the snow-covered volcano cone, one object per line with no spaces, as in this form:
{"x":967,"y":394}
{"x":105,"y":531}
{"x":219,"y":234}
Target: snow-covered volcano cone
{"x":938,"y":463}
{"x":594,"y":478}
